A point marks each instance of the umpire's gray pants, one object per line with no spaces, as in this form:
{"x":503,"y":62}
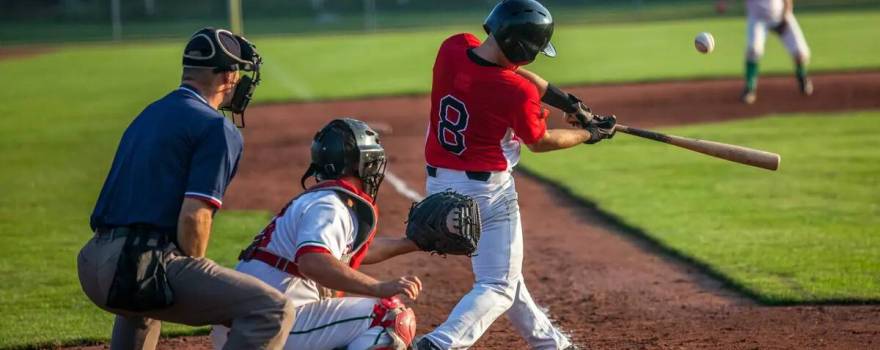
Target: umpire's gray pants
{"x":204,"y":294}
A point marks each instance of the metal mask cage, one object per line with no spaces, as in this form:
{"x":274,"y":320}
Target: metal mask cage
{"x":244,"y":89}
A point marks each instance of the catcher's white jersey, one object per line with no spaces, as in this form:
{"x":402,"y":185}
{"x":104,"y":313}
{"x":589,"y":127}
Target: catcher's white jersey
{"x":317,"y":221}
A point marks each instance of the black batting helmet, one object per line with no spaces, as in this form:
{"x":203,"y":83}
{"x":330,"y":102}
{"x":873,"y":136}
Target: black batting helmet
{"x":522,"y":29}
{"x":348,"y":147}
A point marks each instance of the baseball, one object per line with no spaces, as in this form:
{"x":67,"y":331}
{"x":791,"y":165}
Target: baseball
{"x":704,"y":42}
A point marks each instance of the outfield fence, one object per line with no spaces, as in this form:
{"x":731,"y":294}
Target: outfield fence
{"x":53,"y":21}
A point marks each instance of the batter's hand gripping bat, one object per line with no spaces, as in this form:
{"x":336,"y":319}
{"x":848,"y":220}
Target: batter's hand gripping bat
{"x":733,"y":153}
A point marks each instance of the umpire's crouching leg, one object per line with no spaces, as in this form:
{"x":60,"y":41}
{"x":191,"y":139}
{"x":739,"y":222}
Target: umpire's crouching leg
{"x":204,"y":294}
{"x":273,"y":324}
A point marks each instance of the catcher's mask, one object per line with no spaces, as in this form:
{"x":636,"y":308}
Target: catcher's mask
{"x":223,"y":51}
{"x":347,"y":147}
{"x":522,"y":29}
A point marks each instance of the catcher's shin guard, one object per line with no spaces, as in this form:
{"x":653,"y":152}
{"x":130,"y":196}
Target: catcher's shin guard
{"x":399,"y":322}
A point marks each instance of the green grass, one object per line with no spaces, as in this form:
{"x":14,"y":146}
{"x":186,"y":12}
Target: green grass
{"x":808,"y":233}
{"x":62,"y":114}
{"x":177,"y":23}
{"x":340,"y":66}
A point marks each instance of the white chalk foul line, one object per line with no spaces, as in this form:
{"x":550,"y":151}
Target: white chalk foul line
{"x":401,"y":187}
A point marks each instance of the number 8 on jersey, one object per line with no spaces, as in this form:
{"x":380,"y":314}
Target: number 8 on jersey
{"x":453,"y":122}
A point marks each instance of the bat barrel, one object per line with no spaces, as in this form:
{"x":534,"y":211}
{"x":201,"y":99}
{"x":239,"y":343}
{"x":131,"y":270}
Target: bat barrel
{"x":733,"y":153}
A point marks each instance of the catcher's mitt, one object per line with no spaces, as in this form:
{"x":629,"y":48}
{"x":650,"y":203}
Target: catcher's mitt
{"x":445,"y":223}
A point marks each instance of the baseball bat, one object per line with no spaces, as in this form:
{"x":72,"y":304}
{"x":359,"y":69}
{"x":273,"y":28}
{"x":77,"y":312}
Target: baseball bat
{"x":733,"y":153}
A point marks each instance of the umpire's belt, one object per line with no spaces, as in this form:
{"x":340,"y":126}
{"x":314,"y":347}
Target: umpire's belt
{"x":112,"y":233}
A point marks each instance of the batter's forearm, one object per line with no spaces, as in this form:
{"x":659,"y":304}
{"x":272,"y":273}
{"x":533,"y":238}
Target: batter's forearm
{"x":539,"y":82}
{"x":556,"y":139}
{"x":194,"y":227}
{"x":788,"y":6}
{"x":385,"y":248}
{"x":329,"y":272}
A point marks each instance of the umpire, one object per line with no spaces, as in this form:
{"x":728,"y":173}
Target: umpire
{"x":152,"y":221}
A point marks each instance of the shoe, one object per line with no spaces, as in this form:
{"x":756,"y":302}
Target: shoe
{"x":806,"y":86}
{"x":749,"y":96}
{"x":422,"y":343}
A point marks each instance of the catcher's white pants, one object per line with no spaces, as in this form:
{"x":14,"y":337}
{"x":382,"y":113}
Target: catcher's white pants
{"x":499,"y":287}
{"x":793,"y":37}
{"x":338,"y":323}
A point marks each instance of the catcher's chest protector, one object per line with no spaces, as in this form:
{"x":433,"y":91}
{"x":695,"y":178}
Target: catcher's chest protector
{"x":365,"y":213}
{"x":367,"y":217}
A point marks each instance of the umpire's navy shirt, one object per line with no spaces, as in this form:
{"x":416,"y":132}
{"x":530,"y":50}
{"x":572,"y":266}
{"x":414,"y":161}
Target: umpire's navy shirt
{"x":178,"y":147}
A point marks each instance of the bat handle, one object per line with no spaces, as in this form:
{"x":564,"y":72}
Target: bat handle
{"x":648,"y":134}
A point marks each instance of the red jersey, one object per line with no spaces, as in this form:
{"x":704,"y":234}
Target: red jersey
{"x":480,"y":112}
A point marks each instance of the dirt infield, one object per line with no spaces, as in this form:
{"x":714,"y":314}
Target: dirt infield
{"x":607,"y":287}
{"x":17,"y":52}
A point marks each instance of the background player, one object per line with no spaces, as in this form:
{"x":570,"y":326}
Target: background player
{"x":483,"y":108}
{"x":778,"y":17}
{"x":317,"y":242}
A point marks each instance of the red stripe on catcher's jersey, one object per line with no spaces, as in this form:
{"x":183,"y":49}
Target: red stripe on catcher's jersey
{"x":310,"y":249}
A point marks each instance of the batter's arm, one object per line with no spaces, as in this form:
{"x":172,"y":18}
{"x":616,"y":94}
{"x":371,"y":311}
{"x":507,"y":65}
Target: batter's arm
{"x":787,"y":6}
{"x":384,"y":248}
{"x":539,"y":82}
{"x":556,"y":139}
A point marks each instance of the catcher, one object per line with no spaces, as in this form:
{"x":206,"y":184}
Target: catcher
{"x":312,"y":249}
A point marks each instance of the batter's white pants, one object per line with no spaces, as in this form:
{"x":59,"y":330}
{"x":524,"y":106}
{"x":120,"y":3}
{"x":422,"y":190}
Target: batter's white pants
{"x":338,"y":323}
{"x":499,"y":287}
{"x":793,"y":38}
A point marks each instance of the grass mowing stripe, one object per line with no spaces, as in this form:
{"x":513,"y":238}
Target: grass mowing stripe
{"x":807,"y":233}
{"x":298,"y":22}
{"x":343,"y":66}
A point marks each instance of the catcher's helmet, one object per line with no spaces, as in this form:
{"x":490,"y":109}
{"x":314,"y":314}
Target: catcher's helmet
{"x":522,"y":29}
{"x":347,"y":147}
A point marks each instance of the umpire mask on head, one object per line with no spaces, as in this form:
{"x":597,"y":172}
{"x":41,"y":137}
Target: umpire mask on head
{"x":223,"y":51}
{"x":522,"y":28}
{"x":348,"y":147}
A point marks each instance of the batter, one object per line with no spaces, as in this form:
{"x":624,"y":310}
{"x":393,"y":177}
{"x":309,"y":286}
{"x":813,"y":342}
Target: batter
{"x":484,"y":107}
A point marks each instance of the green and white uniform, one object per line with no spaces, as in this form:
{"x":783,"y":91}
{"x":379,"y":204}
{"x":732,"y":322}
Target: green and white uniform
{"x":766,"y":14}
{"x":762,"y":17}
